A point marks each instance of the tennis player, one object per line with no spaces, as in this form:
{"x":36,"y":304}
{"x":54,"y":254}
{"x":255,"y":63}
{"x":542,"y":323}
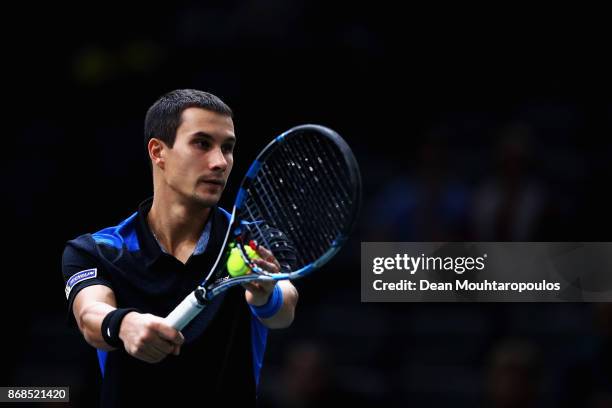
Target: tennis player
{"x":122,"y":279}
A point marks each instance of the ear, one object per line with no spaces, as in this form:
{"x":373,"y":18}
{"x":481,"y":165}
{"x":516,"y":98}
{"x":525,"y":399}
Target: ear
{"x":157,"y":152}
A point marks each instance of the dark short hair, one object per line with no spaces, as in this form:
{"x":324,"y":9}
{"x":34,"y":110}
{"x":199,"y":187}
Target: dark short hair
{"x":164,"y":116}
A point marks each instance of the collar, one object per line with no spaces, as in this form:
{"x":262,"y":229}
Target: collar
{"x":151,"y":247}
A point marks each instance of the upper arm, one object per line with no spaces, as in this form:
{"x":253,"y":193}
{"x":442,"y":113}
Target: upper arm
{"x":82,"y":271}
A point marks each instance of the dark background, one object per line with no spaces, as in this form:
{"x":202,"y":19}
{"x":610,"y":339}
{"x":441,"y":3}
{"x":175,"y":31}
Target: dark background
{"x":478,"y":125}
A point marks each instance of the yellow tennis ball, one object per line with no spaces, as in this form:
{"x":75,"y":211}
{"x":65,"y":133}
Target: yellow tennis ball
{"x":251,"y":252}
{"x":235,"y":264}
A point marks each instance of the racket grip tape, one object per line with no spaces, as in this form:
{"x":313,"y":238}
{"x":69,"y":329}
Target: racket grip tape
{"x":185,"y":311}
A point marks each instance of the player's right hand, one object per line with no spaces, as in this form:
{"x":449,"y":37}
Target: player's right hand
{"x":149,"y":338}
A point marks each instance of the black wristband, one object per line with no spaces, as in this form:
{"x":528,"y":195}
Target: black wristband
{"x":111,"y":324}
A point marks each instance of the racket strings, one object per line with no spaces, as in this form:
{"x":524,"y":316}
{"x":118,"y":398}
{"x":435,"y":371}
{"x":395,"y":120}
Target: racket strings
{"x":304,"y":190}
{"x":281,"y":214}
{"x":298,"y":207}
{"x":260,"y":207}
{"x":327,"y":177}
{"x":317,"y":200}
{"x":300,"y":202}
{"x":339,"y":172}
{"x":336,"y":178}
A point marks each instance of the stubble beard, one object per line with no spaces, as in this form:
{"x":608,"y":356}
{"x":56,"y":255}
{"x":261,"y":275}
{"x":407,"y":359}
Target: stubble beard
{"x":207,"y":201}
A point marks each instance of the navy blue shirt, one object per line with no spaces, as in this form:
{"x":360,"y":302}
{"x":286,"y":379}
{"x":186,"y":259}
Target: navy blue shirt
{"x":224,"y":345}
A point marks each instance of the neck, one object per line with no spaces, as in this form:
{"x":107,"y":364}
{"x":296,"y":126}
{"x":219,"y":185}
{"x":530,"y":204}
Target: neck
{"x":176,"y":223}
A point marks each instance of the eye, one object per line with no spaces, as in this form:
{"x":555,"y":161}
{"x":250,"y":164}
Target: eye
{"x":204,"y":144}
{"x":228,"y":148}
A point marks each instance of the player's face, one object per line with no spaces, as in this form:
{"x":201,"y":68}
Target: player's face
{"x":201,"y":159}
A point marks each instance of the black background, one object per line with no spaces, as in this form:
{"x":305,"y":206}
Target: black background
{"x":481,"y":125}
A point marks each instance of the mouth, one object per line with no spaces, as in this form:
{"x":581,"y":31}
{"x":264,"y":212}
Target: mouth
{"x":216,"y":182}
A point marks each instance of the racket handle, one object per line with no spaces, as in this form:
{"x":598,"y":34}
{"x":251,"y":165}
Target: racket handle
{"x":185,"y":312}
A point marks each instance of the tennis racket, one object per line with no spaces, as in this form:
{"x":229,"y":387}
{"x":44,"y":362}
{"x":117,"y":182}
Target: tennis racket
{"x":299,"y":199}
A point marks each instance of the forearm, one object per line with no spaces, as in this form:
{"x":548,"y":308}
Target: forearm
{"x":284,"y":317}
{"x":90,"y":322}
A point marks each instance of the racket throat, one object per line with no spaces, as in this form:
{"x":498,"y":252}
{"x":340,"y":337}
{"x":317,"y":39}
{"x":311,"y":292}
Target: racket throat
{"x":200,"y":294}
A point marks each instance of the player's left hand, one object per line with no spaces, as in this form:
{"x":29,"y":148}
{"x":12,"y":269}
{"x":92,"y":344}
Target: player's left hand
{"x":258,"y":292}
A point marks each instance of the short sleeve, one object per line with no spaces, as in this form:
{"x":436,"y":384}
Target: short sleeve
{"x":80,"y":270}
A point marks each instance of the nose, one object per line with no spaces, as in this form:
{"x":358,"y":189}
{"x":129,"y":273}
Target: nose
{"x":217,"y":160}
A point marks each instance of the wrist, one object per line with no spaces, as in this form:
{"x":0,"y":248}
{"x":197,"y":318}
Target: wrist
{"x":272,"y":305}
{"x":111,"y":326}
{"x":257,"y":300}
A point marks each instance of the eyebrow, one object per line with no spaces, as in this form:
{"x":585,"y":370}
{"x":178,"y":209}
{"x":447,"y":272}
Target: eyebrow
{"x":204,"y":135}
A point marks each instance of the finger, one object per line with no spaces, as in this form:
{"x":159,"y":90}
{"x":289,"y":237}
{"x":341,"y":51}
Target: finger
{"x":267,"y":266}
{"x":267,"y":255}
{"x":152,"y":349}
{"x":162,"y":345}
{"x":264,"y":252}
{"x":169,"y":333}
{"x":149,"y":355}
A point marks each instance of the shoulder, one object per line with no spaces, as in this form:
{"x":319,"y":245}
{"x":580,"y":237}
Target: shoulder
{"x":115,"y":237}
{"x":77,"y":247}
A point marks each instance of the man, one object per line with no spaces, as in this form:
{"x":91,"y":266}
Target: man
{"x":122,"y":281}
